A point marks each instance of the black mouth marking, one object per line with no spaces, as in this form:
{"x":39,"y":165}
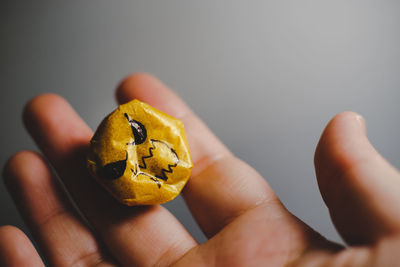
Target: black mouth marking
{"x":138,"y":130}
{"x":163,"y":174}
{"x":113,"y":170}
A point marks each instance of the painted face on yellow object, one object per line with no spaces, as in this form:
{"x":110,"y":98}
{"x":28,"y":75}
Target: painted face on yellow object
{"x":154,"y":170}
{"x":141,"y":157}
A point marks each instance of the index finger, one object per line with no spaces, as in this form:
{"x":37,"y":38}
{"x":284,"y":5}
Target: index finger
{"x":222,"y":186}
{"x":205,"y":146}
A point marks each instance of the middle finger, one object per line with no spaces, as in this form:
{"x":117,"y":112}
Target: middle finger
{"x":221,"y":186}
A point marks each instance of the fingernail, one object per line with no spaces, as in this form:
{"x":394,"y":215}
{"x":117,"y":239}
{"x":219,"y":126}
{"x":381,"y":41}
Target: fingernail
{"x":360,"y":119}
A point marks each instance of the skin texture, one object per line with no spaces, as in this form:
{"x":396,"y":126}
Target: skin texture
{"x":245,"y":222}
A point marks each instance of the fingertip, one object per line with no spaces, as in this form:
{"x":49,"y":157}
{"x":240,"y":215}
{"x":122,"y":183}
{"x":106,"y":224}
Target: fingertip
{"x":37,"y":111}
{"x":16,"y":166}
{"x":9,"y":232}
{"x":346,"y":129}
{"x":16,"y":248}
{"x":149,"y":89}
{"x":51,"y":120}
{"x":13,"y":164}
{"x":8,"y":235}
{"x":39,"y":104}
{"x":346,"y":119}
{"x":133,"y":85}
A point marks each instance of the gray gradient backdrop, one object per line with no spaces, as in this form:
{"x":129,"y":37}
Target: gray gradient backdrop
{"x":266,"y":76}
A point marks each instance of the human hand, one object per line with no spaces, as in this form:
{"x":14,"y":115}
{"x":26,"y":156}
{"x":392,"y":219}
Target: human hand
{"x":244,"y":220}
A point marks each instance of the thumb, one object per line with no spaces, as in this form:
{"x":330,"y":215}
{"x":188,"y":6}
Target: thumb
{"x":360,"y":188}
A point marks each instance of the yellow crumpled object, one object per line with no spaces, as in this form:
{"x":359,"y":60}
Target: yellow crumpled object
{"x":140,"y":155}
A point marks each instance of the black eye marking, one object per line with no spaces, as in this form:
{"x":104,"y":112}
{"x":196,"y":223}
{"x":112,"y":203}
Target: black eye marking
{"x":113,"y":170}
{"x":138,"y":129}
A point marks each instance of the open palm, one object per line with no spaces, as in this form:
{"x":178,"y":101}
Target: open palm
{"x":244,"y":220}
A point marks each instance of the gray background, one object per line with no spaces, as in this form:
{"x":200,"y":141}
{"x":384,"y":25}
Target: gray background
{"x":266,"y":76}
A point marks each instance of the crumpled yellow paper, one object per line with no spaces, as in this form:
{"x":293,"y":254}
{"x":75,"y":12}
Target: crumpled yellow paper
{"x":140,"y":155}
